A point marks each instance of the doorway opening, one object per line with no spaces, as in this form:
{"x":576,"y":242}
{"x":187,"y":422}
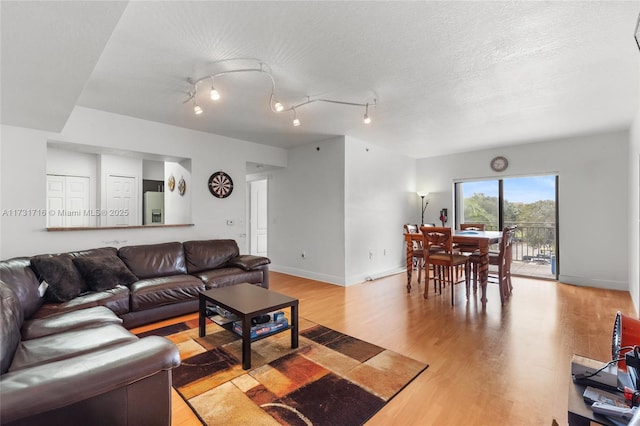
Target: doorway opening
{"x":530,"y":203}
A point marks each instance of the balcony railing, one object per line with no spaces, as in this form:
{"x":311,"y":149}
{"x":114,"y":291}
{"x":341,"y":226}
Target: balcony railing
{"x":533,"y":248}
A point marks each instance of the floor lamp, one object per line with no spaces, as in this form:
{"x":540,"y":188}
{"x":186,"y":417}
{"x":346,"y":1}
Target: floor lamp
{"x":424,"y":204}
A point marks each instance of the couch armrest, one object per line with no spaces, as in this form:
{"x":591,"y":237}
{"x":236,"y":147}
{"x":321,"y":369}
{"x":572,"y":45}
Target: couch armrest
{"x":49,"y":386}
{"x":248,"y":262}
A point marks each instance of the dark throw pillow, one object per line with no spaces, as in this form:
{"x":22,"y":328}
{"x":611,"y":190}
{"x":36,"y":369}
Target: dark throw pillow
{"x":64,"y":279}
{"x":104,"y":272}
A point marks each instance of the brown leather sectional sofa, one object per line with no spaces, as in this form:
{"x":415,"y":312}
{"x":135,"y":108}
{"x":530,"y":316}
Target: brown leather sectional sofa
{"x":66,"y":356}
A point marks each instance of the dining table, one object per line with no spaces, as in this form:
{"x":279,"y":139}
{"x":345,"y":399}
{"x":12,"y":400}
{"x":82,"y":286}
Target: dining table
{"x":480,"y":239}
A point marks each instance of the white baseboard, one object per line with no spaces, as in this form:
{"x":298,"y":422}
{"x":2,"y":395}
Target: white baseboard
{"x":308,"y":274}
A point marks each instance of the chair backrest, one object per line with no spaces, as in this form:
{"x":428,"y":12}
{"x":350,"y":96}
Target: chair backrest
{"x":411,"y":229}
{"x":512,"y":232}
{"x":506,"y":244}
{"x":472,"y":226}
{"x":437,"y":237}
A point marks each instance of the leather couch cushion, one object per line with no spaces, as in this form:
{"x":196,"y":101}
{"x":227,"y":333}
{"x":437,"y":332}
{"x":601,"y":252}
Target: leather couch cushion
{"x":154,"y":292}
{"x":224,"y":277}
{"x":104,"y":272}
{"x":209,"y":254}
{"x":18,"y":275}
{"x":10,"y":322}
{"x":64,"y":279}
{"x":116,"y":299}
{"x":59,"y":346}
{"x":247,"y":261}
{"x":154,"y":260}
{"x":66,"y":321}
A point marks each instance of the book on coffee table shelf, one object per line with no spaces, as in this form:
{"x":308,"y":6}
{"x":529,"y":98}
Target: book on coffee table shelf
{"x":220,"y":316}
{"x":277,"y":323}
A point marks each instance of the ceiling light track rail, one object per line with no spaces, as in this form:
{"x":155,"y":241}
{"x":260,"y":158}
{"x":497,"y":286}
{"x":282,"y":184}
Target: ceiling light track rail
{"x":274,"y":103}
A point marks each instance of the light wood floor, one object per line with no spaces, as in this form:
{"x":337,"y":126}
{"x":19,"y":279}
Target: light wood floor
{"x":495,"y":366}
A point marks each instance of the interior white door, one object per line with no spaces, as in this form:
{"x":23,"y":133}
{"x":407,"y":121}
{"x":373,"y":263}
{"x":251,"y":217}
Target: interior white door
{"x":122,"y":201}
{"x":68,"y":201}
{"x":55,"y":201}
{"x":77,"y":201}
{"x":259,"y":226}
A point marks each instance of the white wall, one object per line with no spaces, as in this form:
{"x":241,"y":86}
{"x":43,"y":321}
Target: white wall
{"x":338,"y":204}
{"x":23,"y":179}
{"x":380,"y":195}
{"x":153,"y":170}
{"x":306,"y":213}
{"x":593,"y":212}
{"x":634,"y":212}
{"x":178,"y":208}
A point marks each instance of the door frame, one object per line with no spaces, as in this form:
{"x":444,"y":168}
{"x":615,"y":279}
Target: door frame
{"x":459,"y":213}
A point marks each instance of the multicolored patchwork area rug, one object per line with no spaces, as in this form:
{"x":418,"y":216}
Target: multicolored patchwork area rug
{"x":330,"y":379}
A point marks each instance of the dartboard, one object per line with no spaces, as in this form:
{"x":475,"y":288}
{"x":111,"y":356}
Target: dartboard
{"x":220,"y":185}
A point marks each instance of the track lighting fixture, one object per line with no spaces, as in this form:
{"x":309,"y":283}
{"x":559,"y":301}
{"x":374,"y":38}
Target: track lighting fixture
{"x":274,"y":104}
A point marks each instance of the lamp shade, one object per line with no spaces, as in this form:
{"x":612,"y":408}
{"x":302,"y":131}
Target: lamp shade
{"x":626,"y":333}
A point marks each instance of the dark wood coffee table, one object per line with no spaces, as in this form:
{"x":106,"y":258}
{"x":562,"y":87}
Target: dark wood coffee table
{"x":248,"y":301}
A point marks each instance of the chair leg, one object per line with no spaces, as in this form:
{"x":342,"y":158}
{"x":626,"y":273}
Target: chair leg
{"x":452,"y":283}
{"x":501,"y":285}
{"x":467,"y":280}
{"x":426,"y":281}
{"x":476,"y":266}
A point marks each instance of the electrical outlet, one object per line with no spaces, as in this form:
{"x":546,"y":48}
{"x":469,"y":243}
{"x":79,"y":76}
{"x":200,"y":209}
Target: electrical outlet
{"x":384,"y":252}
{"x":229,"y":222}
{"x":370,"y":254}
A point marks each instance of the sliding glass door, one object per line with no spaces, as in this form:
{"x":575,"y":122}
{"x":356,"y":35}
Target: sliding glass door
{"x":527,"y":202}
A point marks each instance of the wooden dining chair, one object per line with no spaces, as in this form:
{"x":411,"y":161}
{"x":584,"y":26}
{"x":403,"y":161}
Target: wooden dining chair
{"x":438,"y":253}
{"x":502,"y":260}
{"x":417,"y":253}
{"x":465,"y":248}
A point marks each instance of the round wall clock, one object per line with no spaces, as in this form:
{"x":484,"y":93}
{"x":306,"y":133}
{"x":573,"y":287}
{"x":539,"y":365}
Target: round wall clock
{"x":499,"y":164}
{"x":172,"y":183}
{"x":220,"y":185}
{"x":182,"y":186}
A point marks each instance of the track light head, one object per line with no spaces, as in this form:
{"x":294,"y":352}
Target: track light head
{"x":366,"y":119}
{"x":278,"y":106}
{"x":214,"y":94}
{"x":296,"y":122}
{"x":196,"y":109}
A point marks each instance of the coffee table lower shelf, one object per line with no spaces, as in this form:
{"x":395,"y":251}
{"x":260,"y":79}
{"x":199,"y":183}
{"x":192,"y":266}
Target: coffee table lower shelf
{"x":248,"y":301}
{"x":229,"y":326}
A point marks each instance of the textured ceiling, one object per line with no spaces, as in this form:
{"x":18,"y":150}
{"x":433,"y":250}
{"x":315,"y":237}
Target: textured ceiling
{"x":448,"y":76}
